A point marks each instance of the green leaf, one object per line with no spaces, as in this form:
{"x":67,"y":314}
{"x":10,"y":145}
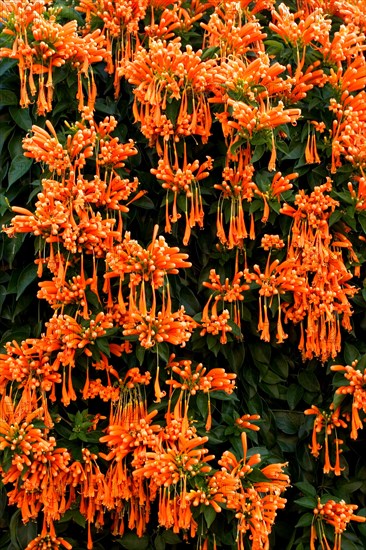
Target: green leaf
{"x":133,"y":542}
{"x":18,"y":167}
{"x":27,"y":276}
{"x":334,"y":217}
{"x":17,"y":334}
{"x":210,"y":515}
{"x":107,"y":106}
{"x":362,"y":220}
{"x":306,"y":502}
{"x":256,"y":476}
{"x":309,"y":381}
{"x":223,"y":396}
{"x":259,"y":151}
{"x":295,"y":152}
{"x":202,"y":404}
{"x":294,"y":395}
{"x":7,"y":64}
{"x":140,"y":354}
{"x":288,"y":422}
{"x":305,"y":521}
{"x":159,"y":543}
{"x":5,"y":130}
{"x":162,"y":350}
{"x":21,"y":117}
{"x":235,"y":354}
{"x":21,"y":534}
{"x":145,"y":203}
{"x":209,"y":53}
{"x":170,"y":537}
{"x":7,"y":97}
{"x":75,"y":516}
{"x":273,"y":47}
{"x":350,"y":353}
{"x":188,"y":299}
{"x":306,"y":488}
{"x":103,"y":346}
{"x":261,"y":352}
{"x":271,"y":378}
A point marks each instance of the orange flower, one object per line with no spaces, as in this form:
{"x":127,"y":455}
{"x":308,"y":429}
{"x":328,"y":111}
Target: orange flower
{"x":245,"y":422}
{"x":41,"y":45}
{"x":337,"y":514}
{"x":165,"y":73}
{"x":324,"y":273}
{"x":183,"y":180}
{"x":232,"y":292}
{"x":226,"y":30}
{"x":238,"y":186}
{"x":356,"y":383}
{"x":48,"y":539}
{"x":325,"y":423}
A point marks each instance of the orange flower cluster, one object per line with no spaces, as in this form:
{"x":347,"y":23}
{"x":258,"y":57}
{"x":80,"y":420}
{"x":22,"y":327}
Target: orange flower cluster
{"x":255,"y":503}
{"x":325,"y":423}
{"x":316,"y":256}
{"x":226,"y":30}
{"x":349,"y":126}
{"x":277,"y":279}
{"x":48,"y":539}
{"x":163,"y":76}
{"x":36,"y":468}
{"x":64,"y":211}
{"x":41,"y":45}
{"x":336,"y":514}
{"x":356,"y":388}
{"x":183,"y":180}
{"x":191,"y":381}
{"x":231,"y":292}
{"x":112,"y":296}
{"x":238,"y":186}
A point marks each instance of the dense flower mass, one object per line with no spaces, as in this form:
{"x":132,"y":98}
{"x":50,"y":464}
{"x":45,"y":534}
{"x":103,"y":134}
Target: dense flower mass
{"x":192,"y":178}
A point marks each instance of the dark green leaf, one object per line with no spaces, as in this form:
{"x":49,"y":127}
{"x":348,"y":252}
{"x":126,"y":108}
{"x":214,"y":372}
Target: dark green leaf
{"x":189,"y":301}
{"x":26,"y":277}
{"x":350,"y":353}
{"x":145,"y":202}
{"x":170,"y":538}
{"x":261,"y":352}
{"x":306,"y":488}
{"x":18,"y":167}
{"x":305,"y":521}
{"x":294,"y":395}
{"x":202,"y":404}
{"x":103,"y":346}
{"x":133,"y":542}
{"x":210,"y":515}
{"x":306,"y":502}
{"x":5,"y":130}
{"x":7,"y":97}
{"x":21,"y":117}
{"x":288,"y":422}
{"x":159,"y":543}
{"x":140,"y":354}
{"x":309,"y":381}
{"x":163,"y":351}
{"x":209,"y":53}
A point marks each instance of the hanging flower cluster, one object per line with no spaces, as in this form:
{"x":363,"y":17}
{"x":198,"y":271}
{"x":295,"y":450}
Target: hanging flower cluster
{"x":317,"y":256}
{"x":41,"y":45}
{"x":242,"y":111}
{"x":325,"y":425}
{"x":354,"y":387}
{"x":336,"y":514}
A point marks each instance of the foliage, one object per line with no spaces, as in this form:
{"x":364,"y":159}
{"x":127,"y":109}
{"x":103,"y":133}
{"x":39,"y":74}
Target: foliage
{"x":183,"y":191}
